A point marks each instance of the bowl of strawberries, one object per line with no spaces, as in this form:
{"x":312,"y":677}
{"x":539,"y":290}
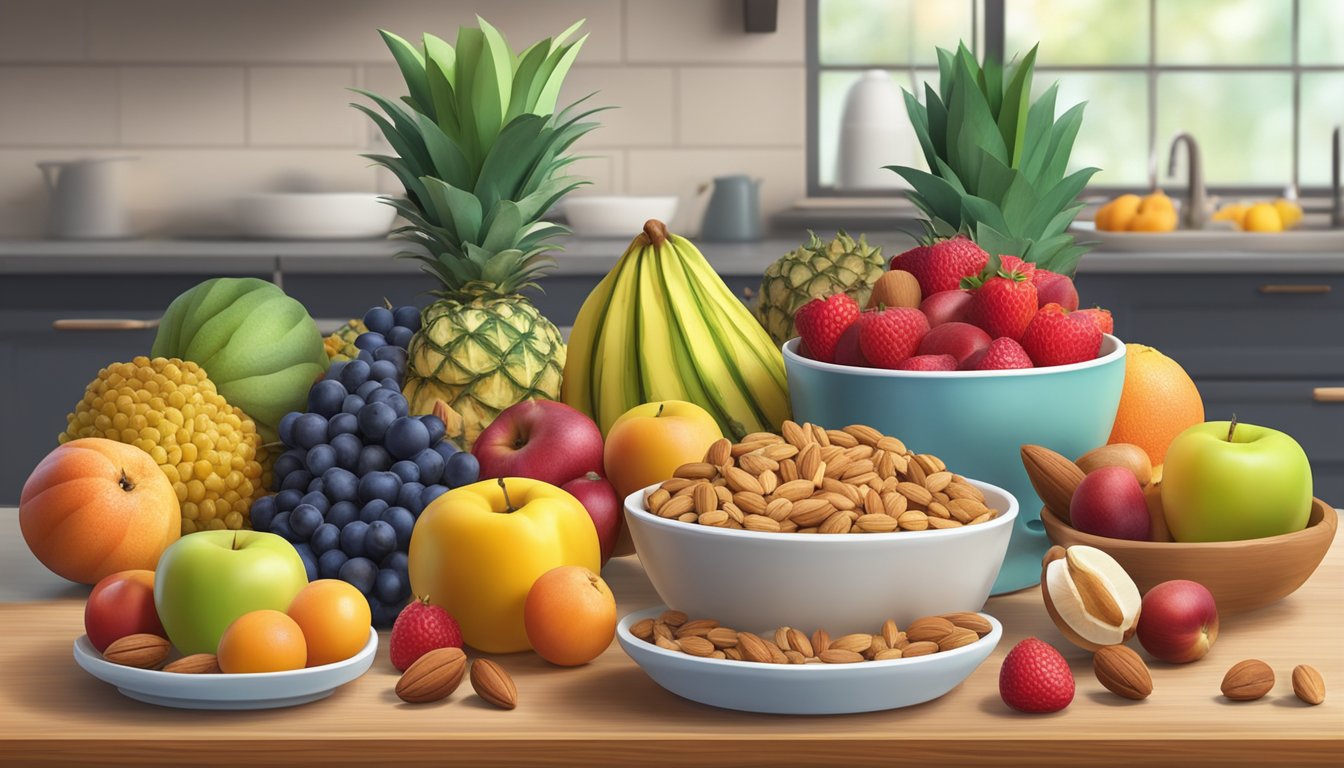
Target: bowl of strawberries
{"x":985,"y":356}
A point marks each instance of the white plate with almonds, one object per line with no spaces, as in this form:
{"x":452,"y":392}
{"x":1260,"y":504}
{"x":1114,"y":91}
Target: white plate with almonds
{"x":842,"y":684}
{"x":267,"y":690}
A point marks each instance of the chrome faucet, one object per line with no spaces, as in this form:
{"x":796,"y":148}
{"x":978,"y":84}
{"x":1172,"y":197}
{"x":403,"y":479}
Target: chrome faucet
{"x":1194,"y":211}
{"x":1337,"y":202}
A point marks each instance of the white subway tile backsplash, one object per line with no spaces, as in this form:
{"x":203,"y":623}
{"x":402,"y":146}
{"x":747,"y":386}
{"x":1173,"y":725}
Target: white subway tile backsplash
{"x":683,"y":172}
{"x":748,"y":106}
{"x":182,"y":106}
{"x":303,"y":106}
{"x":709,"y":31}
{"x":643,"y":98}
{"x":42,"y":30}
{"x":605,"y":169}
{"x":60,"y":106}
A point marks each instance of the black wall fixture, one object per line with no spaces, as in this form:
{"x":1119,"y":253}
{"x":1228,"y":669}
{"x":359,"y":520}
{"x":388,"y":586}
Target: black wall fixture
{"x":761,"y":15}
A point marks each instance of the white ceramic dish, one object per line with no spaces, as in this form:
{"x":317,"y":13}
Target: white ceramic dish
{"x":615,"y":216}
{"x":806,"y":689}
{"x":314,"y":216}
{"x":838,"y":581}
{"x":249,"y":691}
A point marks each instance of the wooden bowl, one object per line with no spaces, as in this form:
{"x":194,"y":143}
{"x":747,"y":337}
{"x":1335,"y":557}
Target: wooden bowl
{"x":1242,"y":575}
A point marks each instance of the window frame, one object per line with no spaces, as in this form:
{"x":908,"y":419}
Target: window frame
{"x":988,"y":35}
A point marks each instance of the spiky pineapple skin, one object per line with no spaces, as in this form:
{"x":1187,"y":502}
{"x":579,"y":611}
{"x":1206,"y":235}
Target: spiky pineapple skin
{"x":340,"y":345}
{"x":816,"y":270}
{"x":482,"y":356}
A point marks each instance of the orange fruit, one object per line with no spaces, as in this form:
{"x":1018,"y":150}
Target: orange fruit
{"x":262,"y":641}
{"x":1158,"y":402}
{"x":570,"y":615}
{"x":335,"y":620}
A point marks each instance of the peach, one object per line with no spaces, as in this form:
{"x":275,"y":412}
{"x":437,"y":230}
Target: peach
{"x":570,"y":616}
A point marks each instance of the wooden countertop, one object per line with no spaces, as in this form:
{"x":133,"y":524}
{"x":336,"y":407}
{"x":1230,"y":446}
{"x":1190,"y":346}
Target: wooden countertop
{"x":610,"y":713}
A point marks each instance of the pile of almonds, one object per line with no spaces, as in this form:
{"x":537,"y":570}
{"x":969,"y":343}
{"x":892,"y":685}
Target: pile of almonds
{"x":674,"y":631}
{"x":814,"y":480}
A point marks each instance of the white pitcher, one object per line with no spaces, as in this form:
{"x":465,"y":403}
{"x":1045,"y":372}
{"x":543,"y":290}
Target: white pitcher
{"x":88,"y":198}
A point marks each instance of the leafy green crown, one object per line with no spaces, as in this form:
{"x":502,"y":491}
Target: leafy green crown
{"x":481,"y":152}
{"x":998,"y":160}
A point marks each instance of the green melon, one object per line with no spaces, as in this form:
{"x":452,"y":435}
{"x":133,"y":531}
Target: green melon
{"x":259,"y":346}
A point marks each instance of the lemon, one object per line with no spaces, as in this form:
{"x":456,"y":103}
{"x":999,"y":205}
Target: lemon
{"x":1157,"y":201}
{"x":1231,"y":212}
{"x":1116,"y":214}
{"x":1290,"y":213}
{"x":1262,"y":217}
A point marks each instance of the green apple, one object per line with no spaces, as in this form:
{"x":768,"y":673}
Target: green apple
{"x":207,"y":579}
{"x":1225,"y":481}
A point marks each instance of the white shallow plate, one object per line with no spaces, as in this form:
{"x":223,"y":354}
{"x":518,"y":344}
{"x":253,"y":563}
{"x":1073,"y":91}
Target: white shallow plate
{"x":250,"y":691}
{"x":806,"y":689}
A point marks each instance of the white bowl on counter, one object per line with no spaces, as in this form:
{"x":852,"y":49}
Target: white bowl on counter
{"x":615,"y":215}
{"x":314,"y":215}
{"x":849,"y":582}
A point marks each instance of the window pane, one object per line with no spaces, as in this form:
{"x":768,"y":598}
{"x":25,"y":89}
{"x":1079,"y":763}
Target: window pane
{"x":1224,"y":31}
{"x":1078,"y":31}
{"x":832,"y":89}
{"x":1242,"y":121}
{"x":1321,"y":31}
{"x":890,"y":32}
{"x":1322,"y":110}
{"x":1114,"y":135}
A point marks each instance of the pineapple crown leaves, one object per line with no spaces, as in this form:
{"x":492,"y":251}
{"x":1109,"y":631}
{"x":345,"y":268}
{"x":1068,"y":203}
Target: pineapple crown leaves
{"x":482,"y":153}
{"x":998,"y":160}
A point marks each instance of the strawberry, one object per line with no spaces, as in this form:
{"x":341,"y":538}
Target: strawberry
{"x":1002,"y":354}
{"x":888,"y":336}
{"x":1056,"y":336}
{"x":419,"y":629}
{"x":928,"y":363}
{"x":1003,"y":303}
{"x":1101,"y":318}
{"x":1035,"y":678}
{"x":942,"y":265}
{"x":1052,"y":287}
{"x":821,"y":321}
{"x":847,"y":350}
{"x":1015,"y":264}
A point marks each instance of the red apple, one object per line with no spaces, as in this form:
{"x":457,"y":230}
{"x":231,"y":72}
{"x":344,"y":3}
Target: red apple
{"x":960,"y":340}
{"x":847,"y":350}
{"x":1054,"y":288}
{"x":1110,"y":502}
{"x":121,"y":604}
{"x":1178,"y":621}
{"x":540,"y":439}
{"x":599,"y":498}
{"x":946,"y":307}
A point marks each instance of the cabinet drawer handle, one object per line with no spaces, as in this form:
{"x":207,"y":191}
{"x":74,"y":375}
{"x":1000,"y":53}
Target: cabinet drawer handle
{"x":1328,"y":394}
{"x":1295,"y":288}
{"x":101,"y":324}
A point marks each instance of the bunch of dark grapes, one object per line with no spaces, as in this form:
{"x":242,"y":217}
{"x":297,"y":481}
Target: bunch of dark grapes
{"x":358,"y":470}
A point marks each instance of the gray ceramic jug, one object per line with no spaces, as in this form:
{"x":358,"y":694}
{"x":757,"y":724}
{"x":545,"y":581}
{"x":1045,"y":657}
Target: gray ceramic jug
{"x":734,"y":210}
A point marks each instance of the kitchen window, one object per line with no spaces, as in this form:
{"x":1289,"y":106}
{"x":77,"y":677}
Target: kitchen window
{"x":1259,"y":83}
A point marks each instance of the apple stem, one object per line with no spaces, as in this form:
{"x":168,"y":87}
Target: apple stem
{"x":592,"y":476}
{"x":661,"y":406}
{"x":125,"y":482}
{"x":507,"y":502}
{"x":1231,"y":427}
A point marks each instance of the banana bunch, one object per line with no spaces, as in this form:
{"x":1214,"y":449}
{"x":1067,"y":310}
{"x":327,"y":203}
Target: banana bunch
{"x":663,"y":326}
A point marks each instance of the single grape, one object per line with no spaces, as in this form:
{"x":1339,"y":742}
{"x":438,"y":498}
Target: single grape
{"x":372,"y":458}
{"x":368,"y":388}
{"x":341,"y":484}
{"x":297,"y":480}
{"x":280,"y":526}
{"x":309,"y":559}
{"x":400,"y":337}
{"x":431,"y":493}
{"x":446,"y":449}
{"x":347,"y":448}
{"x":352,"y":538}
{"x":334,"y":370}
{"x":435,"y":426}
{"x":365,"y":356}
{"x":370,"y":341}
{"x":326,"y":538}
{"x":262,"y":512}
{"x":391,"y":385}
{"x":321,"y":457}
{"x":409,"y":496}
{"x":316,"y":486}
{"x":375,"y":418}
{"x":287,"y":500}
{"x":430,"y":463}
{"x":379,"y":485}
{"x":406,"y":437}
{"x":379,"y":320}
{"x":286,"y":427}
{"x":403,"y":522}
{"x":360,"y":572}
{"x":304,"y":520}
{"x":325,"y":397}
{"x":387,"y":586}
{"x":310,"y":429}
{"x":462,"y":469}
{"x":396,"y":355}
{"x":342,"y":513}
{"x":373,"y":510}
{"x":381,"y":614}
{"x":329,"y":563}
{"x":407,"y":317}
{"x":379,"y":540}
{"x":406,"y":470}
{"x":398,"y":561}
{"x":382,"y":369}
{"x":356,"y":372}
{"x":294,"y":458}
{"x":342,"y":424}
{"x":317,"y":499}
{"x":351,"y":404}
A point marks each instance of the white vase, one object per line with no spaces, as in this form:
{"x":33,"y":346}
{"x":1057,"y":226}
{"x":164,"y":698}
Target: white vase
{"x":874,"y":132}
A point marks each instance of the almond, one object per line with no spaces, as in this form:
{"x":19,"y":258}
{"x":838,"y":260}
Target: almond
{"x":1248,"y":680}
{"x":143,"y":651}
{"x":923,"y":648}
{"x":673,"y":618}
{"x":753,"y":648}
{"x":799,"y":642}
{"x":957,"y":638}
{"x":1122,"y":672}
{"x":929,"y":629}
{"x":696,"y":646}
{"x":433,"y":676}
{"x":863,"y":433}
{"x":969,"y":620}
{"x":890,"y":633}
{"x":195,"y":664}
{"x":839,"y":656}
{"x":720,"y":452}
{"x":857,"y":642}
{"x":696,"y":628}
{"x":1054,"y":477}
{"x":493,"y":684}
{"x":722,"y":637}
{"x":821,"y":640}
{"x":1308,"y":684}
{"x":643,"y":629}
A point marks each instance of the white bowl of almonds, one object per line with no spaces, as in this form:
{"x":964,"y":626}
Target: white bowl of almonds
{"x":820,"y":528}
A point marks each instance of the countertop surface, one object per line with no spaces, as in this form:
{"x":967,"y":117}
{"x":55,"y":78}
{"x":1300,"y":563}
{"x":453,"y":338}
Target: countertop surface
{"x":610,"y":713}
{"x":580,"y":257}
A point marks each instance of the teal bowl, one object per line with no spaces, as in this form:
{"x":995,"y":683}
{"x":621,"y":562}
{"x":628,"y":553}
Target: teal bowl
{"x":975,"y":421}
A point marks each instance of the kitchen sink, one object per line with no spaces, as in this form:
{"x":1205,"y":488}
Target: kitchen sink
{"x":1307,"y":239}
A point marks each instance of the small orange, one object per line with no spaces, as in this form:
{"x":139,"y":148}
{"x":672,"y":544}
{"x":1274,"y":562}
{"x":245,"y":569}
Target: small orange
{"x":570,"y":616}
{"x":335,"y":620}
{"x":1158,"y":402}
{"x":262,"y":641}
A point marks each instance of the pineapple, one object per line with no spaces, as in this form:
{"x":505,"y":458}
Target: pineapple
{"x":816,"y":270}
{"x":340,"y":345}
{"x":998,"y":161}
{"x":482,"y":153}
